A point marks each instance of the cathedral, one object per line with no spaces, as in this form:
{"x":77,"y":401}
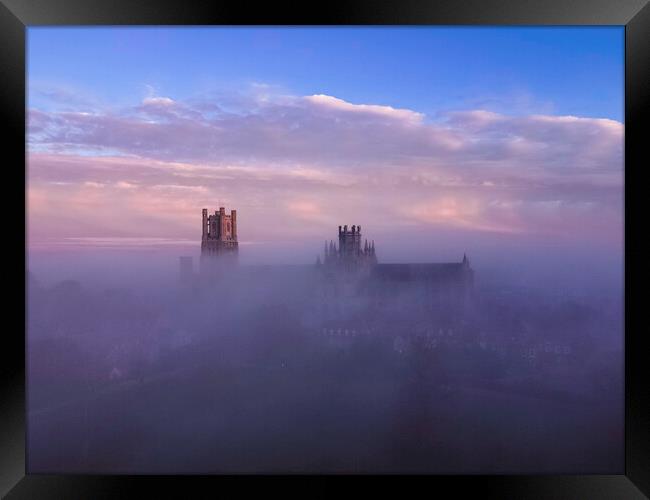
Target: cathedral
{"x":352,"y":278}
{"x":348,"y":270}
{"x":351,"y":258}
{"x":348,"y":257}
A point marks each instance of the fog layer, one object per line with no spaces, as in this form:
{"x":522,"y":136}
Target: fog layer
{"x":269,"y":368}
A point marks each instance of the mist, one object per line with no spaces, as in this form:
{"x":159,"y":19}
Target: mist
{"x":268,"y":367}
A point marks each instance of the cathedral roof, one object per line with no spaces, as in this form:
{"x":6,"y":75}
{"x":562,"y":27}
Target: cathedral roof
{"x":411,"y":272}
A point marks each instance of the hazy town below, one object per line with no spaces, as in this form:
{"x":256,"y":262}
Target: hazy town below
{"x":131,"y":375}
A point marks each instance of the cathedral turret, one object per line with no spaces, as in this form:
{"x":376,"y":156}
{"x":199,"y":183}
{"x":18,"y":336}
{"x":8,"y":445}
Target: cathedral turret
{"x":350,"y":253}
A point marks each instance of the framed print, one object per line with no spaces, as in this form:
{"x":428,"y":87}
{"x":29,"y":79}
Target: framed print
{"x":386,"y":240}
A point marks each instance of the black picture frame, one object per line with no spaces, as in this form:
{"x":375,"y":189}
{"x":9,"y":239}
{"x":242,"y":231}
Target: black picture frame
{"x":16,"y":15}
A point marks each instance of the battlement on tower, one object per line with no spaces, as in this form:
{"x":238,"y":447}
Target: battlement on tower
{"x":349,"y":254}
{"x":219,"y":237}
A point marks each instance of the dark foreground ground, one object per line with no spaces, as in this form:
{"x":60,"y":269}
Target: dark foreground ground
{"x":245,"y":382}
{"x":280,"y":418}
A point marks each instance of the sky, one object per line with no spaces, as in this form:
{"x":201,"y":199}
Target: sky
{"x":505,"y":143}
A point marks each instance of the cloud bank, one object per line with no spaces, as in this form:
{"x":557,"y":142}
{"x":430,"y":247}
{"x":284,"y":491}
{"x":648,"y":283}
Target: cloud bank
{"x":313,"y":162}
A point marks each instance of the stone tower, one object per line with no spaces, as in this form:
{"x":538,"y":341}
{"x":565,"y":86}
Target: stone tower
{"x":350,"y":254}
{"x":219,"y":236}
{"x":349,"y":241}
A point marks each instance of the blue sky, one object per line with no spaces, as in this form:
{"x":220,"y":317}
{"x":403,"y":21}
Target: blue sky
{"x":568,"y":71}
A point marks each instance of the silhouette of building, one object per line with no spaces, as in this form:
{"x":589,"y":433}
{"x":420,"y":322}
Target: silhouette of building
{"x":350,"y":258}
{"x":349,"y":255}
{"x":352,"y":277}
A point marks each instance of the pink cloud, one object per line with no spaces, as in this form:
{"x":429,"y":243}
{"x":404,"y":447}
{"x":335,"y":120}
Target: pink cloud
{"x":145,"y":171}
{"x":332,"y":103}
